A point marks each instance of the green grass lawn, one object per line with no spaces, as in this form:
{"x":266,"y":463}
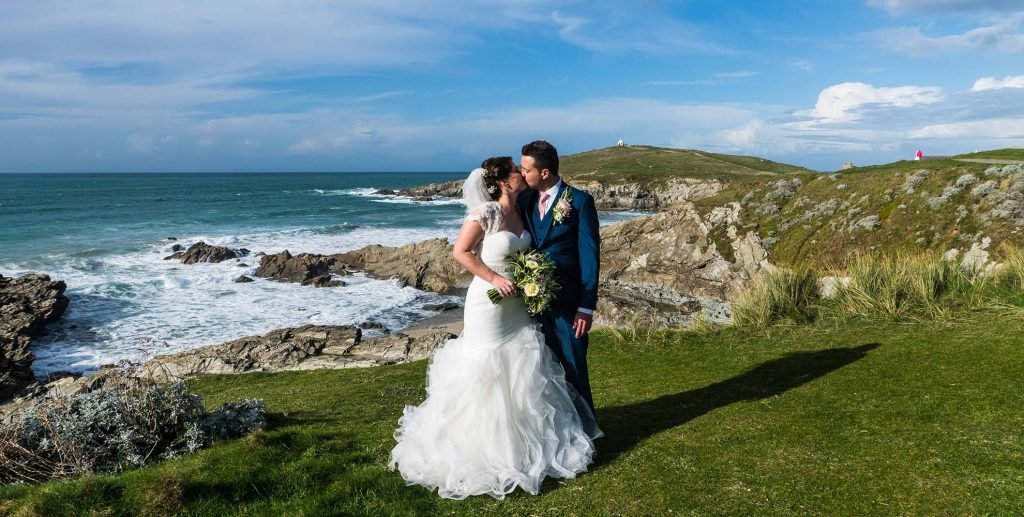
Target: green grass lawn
{"x":865,"y":418}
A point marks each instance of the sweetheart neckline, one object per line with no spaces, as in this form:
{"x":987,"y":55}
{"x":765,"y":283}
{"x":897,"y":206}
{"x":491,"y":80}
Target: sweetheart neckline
{"x":521,"y":235}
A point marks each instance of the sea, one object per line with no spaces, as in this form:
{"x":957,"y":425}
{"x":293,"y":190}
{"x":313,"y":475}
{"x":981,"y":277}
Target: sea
{"x":106,"y":236}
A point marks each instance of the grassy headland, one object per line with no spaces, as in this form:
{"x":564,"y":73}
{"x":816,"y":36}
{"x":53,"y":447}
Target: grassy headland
{"x":864,"y":417}
{"x":908,"y":206}
{"x":650,"y":166}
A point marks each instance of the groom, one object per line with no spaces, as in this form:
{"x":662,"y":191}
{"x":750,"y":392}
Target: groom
{"x":563,"y":223}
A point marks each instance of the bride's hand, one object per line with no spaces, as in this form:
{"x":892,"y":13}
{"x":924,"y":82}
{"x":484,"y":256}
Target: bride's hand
{"x":505,"y":287}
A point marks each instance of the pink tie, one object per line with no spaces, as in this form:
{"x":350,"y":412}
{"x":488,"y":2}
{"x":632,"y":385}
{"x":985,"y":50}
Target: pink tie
{"x":543,"y":204}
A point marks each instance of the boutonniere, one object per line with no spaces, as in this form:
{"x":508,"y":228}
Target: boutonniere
{"x":563,"y":208}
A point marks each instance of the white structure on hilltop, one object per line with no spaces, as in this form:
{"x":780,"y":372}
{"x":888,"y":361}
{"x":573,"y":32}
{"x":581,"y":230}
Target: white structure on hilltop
{"x":621,"y":143}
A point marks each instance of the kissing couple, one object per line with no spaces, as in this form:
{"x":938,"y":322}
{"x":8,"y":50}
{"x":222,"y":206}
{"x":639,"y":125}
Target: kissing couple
{"x":508,"y":401}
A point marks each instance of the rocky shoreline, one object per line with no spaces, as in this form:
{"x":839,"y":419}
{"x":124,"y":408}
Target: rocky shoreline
{"x":662,"y":269}
{"x":27,"y":304}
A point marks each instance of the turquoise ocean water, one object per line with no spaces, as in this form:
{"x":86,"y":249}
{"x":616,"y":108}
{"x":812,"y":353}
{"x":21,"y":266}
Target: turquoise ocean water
{"x":105,"y":235}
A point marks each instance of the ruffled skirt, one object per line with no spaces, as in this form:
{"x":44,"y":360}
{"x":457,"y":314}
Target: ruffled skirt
{"x":498,"y":413}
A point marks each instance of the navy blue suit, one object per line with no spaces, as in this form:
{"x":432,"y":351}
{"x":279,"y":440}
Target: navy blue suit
{"x":574,"y":247}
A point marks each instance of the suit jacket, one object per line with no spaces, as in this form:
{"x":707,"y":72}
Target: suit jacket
{"x":574,"y":245}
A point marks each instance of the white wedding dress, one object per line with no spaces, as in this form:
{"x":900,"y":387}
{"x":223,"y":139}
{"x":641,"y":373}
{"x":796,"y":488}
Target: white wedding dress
{"x":498,"y":413}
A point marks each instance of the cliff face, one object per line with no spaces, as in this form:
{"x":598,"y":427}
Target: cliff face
{"x":633,"y":196}
{"x":665,"y":268}
{"x":26,"y":304}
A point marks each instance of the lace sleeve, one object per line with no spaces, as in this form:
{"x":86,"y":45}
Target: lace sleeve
{"x":488,"y":215}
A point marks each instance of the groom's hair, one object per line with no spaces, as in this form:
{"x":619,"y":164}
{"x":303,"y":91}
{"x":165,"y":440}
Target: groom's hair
{"x":544,"y":155}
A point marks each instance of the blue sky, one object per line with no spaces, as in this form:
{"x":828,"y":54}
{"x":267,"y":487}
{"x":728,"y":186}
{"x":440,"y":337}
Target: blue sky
{"x":412,"y":85}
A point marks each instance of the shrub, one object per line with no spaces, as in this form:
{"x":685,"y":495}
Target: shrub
{"x":966,"y":180}
{"x":114,"y":428}
{"x":985,"y":188}
{"x":914,"y":180}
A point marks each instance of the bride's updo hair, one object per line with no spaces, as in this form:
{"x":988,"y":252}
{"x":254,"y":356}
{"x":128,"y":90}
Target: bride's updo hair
{"x":496,"y":169}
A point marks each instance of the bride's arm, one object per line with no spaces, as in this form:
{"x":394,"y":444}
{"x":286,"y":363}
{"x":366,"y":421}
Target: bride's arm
{"x":469,"y":236}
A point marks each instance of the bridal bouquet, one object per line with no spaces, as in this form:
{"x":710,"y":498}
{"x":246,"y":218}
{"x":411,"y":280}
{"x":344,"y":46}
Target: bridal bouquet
{"x":533,"y":274}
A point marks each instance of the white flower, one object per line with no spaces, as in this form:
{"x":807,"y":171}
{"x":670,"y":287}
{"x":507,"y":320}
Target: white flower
{"x":531,"y":289}
{"x":563,"y":207}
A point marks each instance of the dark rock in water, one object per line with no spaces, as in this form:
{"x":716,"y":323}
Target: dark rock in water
{"x":441,"y":307}
{"x":175,"y":256}
{"x":447,"y":189}
{"x":423,"y":199}
{"x":176,"y":247}
{"x":284,"y":267}
{"x":26,"y":304}
{"x":243,"y":252}
{"x":243,"y":280}
{"x":203,"y":252}
{"x":242,"y":264}
{"x":324,"y":281}
{"x":385,"y":192}
{"x":172,"y":238}
{"x":374,"y":325}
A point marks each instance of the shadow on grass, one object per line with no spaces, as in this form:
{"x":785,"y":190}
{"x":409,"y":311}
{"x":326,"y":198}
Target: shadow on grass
{"x":626,"y":426}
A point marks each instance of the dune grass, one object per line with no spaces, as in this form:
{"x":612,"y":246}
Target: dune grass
{"x":863,"y":417}
{"x":782,"y":297}
{"x":892,"y":286}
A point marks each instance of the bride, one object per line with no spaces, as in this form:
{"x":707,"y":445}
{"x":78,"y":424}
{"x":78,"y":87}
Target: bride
{"x":499,"y":413}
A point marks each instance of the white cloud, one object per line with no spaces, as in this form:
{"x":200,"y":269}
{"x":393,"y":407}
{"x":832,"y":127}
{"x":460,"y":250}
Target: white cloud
{"x":843,"y":102}
{"x":992,"y":129}
{"x":930,"y":6}
{"x":736,"y":75}
{"x":745,"y":136}
{"x":991,"y":83}
{"x":634,"y":31}
{"x":801,"y":64}
{"x":1003,"y":36}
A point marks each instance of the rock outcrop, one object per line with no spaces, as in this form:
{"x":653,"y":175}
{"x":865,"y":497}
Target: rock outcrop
{"x":284,"y":267}
{"x":426,"y":265}
{"x":26,"y":304}
{"x":310,"y":347}
{"x":203,"y":252}
{"x":631,"y":196}
{"x":666,"y":268}
{"x":446,"y":189}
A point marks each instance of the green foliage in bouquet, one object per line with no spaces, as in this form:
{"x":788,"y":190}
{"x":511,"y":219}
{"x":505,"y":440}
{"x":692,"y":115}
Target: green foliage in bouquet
{"x":533,"y":274}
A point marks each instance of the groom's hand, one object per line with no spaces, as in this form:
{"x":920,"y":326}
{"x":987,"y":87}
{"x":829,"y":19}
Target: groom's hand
{"x":582,"y":323}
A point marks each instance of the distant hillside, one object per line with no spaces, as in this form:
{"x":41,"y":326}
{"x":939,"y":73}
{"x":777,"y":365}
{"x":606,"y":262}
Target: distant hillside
{"x":908,"y":205}
{"x":998,"y":154}
{"x":648,"y":166}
